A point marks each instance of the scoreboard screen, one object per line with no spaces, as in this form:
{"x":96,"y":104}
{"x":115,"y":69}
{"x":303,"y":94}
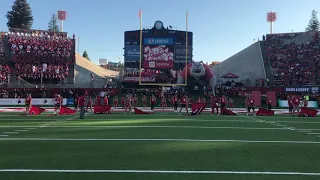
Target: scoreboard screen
{"x":179,"y":37}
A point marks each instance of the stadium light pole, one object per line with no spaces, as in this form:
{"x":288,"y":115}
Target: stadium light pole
{"x":271,"y":18}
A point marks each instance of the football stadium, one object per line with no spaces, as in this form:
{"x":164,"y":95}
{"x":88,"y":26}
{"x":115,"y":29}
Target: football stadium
{"x":159,"y":114}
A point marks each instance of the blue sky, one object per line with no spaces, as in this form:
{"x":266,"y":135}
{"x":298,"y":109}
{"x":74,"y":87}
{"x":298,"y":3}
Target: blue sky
{"x":221,"y":27}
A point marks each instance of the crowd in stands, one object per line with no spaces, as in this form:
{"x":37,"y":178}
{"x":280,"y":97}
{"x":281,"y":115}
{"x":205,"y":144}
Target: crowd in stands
{"x":294,"y":58}
{"x":4,"y":68}
{"x":40,"y":57}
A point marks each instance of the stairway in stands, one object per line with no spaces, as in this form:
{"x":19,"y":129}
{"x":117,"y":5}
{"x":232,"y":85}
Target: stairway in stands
{"x":267,"y":66}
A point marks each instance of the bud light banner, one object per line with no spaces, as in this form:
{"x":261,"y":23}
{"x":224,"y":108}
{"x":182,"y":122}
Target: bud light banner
{"x":158,"y":41}
{"x":160,"y":57}
{"x":180,"y":53}
{"x":132,"y":53}
{"x":302,"y":89}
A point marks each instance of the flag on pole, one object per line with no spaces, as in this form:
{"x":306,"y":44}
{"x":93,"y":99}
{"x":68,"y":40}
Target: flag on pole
{"x":140,"y":13}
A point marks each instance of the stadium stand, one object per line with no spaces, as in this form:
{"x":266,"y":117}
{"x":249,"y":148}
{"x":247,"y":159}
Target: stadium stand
{"x":40,"y":56}
{"x":4,"y":68}
{"x":293,"y":58}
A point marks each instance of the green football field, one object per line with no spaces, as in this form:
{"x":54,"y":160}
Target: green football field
{"x":163,"y":146}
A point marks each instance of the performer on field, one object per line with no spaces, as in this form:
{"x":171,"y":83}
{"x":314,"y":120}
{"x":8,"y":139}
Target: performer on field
{"x":152,"y":102}
{"x":199,"y":100}
{"x":290,"y":104}
{"x":175,"y":102}
{"x":28,"y":103}
{"x":184,"y":104}
{"x":305,"y":103}
{"x":76,"y":102}
{"x":163,"y":102}
{"x":231,"y":104}
{"x":144,"y":101}
{"x":214,"y":105}
{"x":250,"y":105}
{"x":128,"y":104}
{"x":135,"y":101}
{"x":296,"y":104}
{"x":123,"y":101}
{"x":115,"y":102}
{"x":269,"y":104}
{"x":58,"y":103}
{"x":223,"y":104}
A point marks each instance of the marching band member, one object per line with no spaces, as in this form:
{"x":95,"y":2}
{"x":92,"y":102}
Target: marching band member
{"x":144,"y":101}
{"x":28,"y":103}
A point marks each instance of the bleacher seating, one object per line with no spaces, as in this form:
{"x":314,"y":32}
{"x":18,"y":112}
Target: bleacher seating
{"x":161,"y":77}
{"x":4,"y":68}
{"x":294,"y":58}
{"x":41,"y":57}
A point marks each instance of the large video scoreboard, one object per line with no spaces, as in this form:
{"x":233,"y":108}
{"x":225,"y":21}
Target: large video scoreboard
{"x":162,"y":48}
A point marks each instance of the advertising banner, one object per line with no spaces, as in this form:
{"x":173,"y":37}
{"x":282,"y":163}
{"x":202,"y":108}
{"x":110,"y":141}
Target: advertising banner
{"x":180,"y":53}
{"x":303,"y":89}
{"x":136,"y":79}
{"x":35,"y":101}
{"x":132,"y":53}
{"x":158,"y":41}
{"x":160,"y":57}
{"x":284,"y":103}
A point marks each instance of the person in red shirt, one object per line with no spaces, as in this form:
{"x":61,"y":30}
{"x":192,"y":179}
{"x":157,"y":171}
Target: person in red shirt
{"x":58,"y":103}
{"x":184,"y":104}
{"x":163,"y":102}
{"x":123,"y":101}
{"x":81,"y":103}
{"x":296,"y":104}
{"x":269,"y":103}
{"x":214,"y":105}
{"x":135,"y":101}
{"x":28,"y":102}
{"x":231,"y":104}
{"x":223,"y":102}
{"x":128,"y":104}
{"x":250,"y":105}
{"x":175,"y":103}
{"x":144,"y":101}
{"x":290,"y":104}
{"x":305,"y":103}
{"x":115,"y":102}
{"x":152,"y":102}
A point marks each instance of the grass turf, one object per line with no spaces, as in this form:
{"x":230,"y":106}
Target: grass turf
{"x":159,"y":155}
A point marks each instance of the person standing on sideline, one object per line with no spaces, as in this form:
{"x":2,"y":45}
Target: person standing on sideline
{"x":81,"y":104}
{"x":28,"y":103}
{"x":269,"y":103}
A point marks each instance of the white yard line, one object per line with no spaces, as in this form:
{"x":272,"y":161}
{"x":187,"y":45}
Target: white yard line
{"x":11,"y":132}
{"x":21,"y":130}
{"x":174,"y":140}
{"x":313,"y":133}
{"x":4,"y":135}
{"x":184,"y":127}
{"x":160,"y":172}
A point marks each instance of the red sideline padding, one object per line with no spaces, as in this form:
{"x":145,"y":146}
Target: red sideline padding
{"x":66,"y":111}
{"x":101,"y":109}
{"x":138,"y":111}
{"x":264,"y":112}
{"x":36,"y":110}
{"x":308,"y":112}
{"x":226,"y":111}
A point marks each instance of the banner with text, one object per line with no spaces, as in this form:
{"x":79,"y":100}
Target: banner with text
{"x":158,"y":41}
{"x":35,"y":101}
{"x":132,"y":53}
{"x":180,"y":53}
{"x":159,"y":57}
{"x":302,"y":89}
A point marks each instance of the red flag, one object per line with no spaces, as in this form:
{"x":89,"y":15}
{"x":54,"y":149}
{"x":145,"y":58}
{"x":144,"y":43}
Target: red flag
{"x":308,"y":112}
{"x":264,"y":112}
{"x":102,"y":109}
{"x":66,"y":111}
{"x":140,"y":13}
{"x":138,"y":111}
{"x":226,"y":111}
{"x":197,"y":108}
{"x":36,"y":110}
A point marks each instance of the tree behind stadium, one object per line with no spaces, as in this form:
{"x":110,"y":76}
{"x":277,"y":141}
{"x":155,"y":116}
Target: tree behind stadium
{"x":53,"y":24}
{"x":85,"y":55}
{"x":314,"y":22}
{"x":20,"y":16}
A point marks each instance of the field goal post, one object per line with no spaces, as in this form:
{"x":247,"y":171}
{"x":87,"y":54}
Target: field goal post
{"x":141,"y":52}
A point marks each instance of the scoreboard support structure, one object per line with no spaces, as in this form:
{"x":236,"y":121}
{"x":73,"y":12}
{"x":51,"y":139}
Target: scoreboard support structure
{"x":140,"y":64}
